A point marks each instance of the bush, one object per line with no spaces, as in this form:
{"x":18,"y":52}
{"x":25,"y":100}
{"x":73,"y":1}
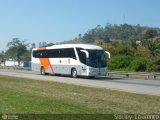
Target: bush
{"x":141,"y":64}
{"x":131,"y":64}
{"x":157,"y":62}
{"x":156,"y":67}
{"x":119,"y":62}
{"x":126,"y":50}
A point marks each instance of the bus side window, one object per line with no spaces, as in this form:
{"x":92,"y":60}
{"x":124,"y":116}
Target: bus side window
{"x":68,"y":53}
{"x":71,"y":53}
{"x":82,"y":55}
{"x":37,"y":54}
{"x":53,"y":53}
{"x":34,"y":54}
{"x":61,"y":53}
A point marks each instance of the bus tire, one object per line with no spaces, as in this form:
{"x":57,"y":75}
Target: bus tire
{"x":43,"y":71}
{"x":74,"y":73}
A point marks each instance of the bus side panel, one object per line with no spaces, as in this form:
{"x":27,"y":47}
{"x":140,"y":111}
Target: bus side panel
{"x":36,"y":64}
{"x":64,"y":65}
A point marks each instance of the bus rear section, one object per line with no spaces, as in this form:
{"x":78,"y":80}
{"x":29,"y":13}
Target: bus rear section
{"x":54,"y":61}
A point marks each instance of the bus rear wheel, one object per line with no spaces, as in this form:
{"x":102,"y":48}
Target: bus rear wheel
{"x":74,"y":73}
{"x":43,"y":71}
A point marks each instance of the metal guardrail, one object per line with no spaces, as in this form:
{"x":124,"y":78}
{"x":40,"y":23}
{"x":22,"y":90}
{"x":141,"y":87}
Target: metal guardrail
{"x":147,"y":75}
{"x":15,"y":68}
{"x":129,"y":74}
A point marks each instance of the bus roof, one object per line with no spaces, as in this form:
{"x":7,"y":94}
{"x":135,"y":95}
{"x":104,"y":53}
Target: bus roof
{"x":84,"y":46}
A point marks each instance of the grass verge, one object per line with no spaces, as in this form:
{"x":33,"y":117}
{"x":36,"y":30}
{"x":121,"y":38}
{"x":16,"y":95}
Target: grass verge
{"x":25,"y":96}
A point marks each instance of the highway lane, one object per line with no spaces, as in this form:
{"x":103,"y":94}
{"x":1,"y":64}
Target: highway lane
{"x":150,"y":87}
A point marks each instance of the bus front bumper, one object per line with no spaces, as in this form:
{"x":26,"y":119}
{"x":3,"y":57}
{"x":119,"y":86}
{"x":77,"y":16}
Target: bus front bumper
{"x":97,"y":71}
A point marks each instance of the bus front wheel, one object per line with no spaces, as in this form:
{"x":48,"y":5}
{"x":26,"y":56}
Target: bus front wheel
{"x":74,"y":73}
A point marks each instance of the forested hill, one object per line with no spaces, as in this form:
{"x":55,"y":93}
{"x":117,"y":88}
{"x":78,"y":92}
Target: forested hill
{"x":111,"y":33}
{"x":132,"y":47}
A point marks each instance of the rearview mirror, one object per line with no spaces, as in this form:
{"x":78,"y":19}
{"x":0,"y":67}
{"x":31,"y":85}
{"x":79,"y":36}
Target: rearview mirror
{"x":108,"y":53}
{"x":86,"y":52}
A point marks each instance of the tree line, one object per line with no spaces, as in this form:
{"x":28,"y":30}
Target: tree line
{"x":132,"y":47}
{"x":19,"y":50}
{"x":112,"y":33}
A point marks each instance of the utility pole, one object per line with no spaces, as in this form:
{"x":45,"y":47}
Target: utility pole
{"x":124,"y":18}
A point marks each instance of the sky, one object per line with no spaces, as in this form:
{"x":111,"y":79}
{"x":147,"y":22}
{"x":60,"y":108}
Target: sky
{"x":60,"y":20}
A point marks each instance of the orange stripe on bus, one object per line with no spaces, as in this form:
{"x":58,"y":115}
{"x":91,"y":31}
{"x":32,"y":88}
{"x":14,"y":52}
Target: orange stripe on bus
{"x":45,"y":61}
{"x":43,"y":48}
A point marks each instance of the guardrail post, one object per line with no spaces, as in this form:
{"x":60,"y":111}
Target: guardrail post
{"x":154,"y":77}
{"x":127,"y":75}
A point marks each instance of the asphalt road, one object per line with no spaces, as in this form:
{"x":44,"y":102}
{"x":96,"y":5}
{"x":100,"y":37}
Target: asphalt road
{"x":150,"y":87}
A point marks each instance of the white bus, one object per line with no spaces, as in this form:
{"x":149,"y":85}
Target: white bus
{"x":70,"y":59}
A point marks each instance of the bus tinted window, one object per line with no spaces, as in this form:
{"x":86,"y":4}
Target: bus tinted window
{"x":82,"y":55}
{"x":62,"y":53}
{"x":55,"y":53}
{"x":68,"y":52}
{"x":40,"y":54}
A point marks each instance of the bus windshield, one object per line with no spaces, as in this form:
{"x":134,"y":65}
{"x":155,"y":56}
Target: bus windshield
{"x":96,"y":58}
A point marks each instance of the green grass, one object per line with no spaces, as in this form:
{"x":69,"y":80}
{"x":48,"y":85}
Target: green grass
{"x":25,"y":96}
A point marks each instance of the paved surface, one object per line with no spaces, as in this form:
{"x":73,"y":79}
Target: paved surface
{"x":150,"y":87}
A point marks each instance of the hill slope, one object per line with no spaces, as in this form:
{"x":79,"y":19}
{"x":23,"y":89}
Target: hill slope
{"x":121,"y":33}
